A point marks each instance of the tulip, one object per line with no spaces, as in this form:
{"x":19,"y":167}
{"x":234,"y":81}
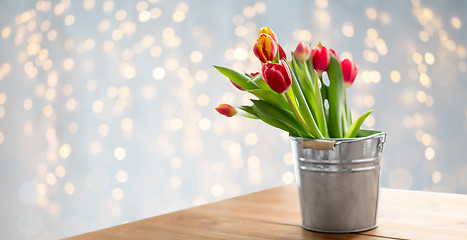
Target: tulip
{"x":321,"y":59}
{"x":277,"y":76}
{"x":265,"y":48}
{"x":335,"y":54}
{"x":237,"y":86}
{"x":269,"y":32}
{"x":226,"y":110}
{"x":349,"y":71}
{"x":302,"y":52}
{"x":281,"y":52}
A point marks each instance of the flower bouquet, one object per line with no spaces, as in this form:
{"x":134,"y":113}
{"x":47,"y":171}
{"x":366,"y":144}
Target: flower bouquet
{"x":292,"y":95}
{"x":337,"y":165}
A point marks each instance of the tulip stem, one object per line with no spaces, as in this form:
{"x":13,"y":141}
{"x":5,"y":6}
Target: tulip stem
{"x":296,"y":113}
{"x":347,"y":121}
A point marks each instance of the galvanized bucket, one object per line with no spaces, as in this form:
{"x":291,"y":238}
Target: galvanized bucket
{"x":338,"y":181}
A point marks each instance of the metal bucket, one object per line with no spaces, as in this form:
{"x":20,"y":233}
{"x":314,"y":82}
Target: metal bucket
{"x":338,"y":181}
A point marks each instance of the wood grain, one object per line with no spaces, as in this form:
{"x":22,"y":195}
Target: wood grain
{"x":275,"y":214}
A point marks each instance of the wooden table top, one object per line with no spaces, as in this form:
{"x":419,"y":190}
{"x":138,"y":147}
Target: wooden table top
{"x":275,"y":214}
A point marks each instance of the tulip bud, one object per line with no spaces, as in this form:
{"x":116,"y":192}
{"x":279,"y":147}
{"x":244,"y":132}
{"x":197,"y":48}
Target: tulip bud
{"x":277,"y":76}
{"x":281,"y":52}
{"x":226,"y":110}
{"x":269,"y":32}
{"x":321,"y":59}
{"x":302,"y":52}
{"x":349,"y":71}
{"x":237,"y":86}
{"x":265,"y":48}
{"x":335,"y":54}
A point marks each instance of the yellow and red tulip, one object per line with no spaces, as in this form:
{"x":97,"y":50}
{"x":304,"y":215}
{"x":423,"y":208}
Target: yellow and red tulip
{"x":226,"y":110}
{"x":321,"y":58}
{"x":265,"y":48}
{"x":349,"y":72}
{"x":269,"y":32}
{"x":302,"y":52}
{"x":277,"y":76}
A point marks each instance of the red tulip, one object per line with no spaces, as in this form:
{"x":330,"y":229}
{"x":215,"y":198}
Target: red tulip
{"x":335,"y":54}
{"x":237,"y":86}
{"x":269,"y":32}
{"x":281,"y":52}
{"x":302,"y":51}
{"x":349,"y":71}
{"x":277,"y":76}
{"x":226,"y":110}
{"x":321,"y":59}
{"x":265,"y":48}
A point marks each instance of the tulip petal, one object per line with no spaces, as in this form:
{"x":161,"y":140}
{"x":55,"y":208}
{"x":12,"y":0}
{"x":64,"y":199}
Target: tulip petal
{"x":349,"y":71}
{"x":277,"y":76}
{"x":265,"y":48}
{"x":302,"y":52}
{"x":268,"y":31}
{"x":321,"y":58}
{"x":275,"y":80}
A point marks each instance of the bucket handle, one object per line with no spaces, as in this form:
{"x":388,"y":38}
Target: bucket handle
{"x":319,"y":144}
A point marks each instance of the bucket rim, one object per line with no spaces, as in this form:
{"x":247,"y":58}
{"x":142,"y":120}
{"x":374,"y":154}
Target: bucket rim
{"x":364,"y":134}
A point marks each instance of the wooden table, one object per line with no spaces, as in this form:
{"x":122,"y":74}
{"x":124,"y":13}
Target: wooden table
{"x":275,"y":214}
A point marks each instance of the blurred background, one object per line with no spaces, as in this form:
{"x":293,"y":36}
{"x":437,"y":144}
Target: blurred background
{"x":107,"y":107}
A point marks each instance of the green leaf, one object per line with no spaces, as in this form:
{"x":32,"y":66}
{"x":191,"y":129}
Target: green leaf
{"x":249,"y":112}
{"x":312,"y":94}
{"x":324,"y":90}
{"x":299,"y":73}
{"x":319,"y":111}
{"x":279,"y":114}
{"x":355,"y":127}
{"x":303,"y":107}
{"x":275,"y":123}
{"x":271,"y":97}
{"x":311,"y":74}
{"x":345,"y":125}
{"x":309,"y":64}
{"x":291,"y":95}
{"x":336,"y":98}
{"x":306,"y":85}
{"x":238,"y":78}
{"x":367,"y":132}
